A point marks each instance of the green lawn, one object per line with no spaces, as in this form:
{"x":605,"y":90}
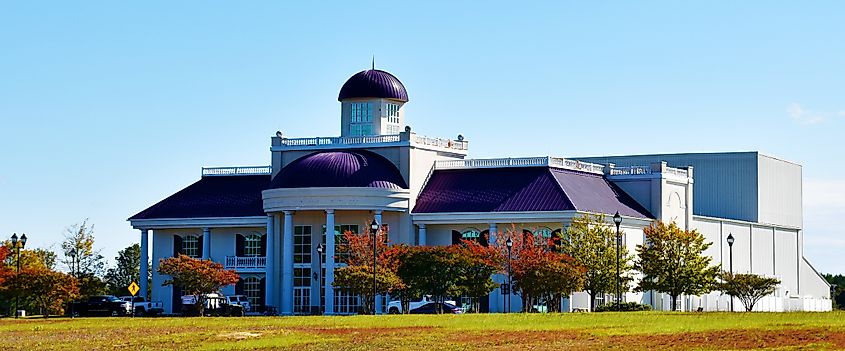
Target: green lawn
{"x":622,"y":331}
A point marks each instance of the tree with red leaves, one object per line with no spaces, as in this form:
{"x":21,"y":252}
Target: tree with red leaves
{"x":47,"y":289}
{"x":4,"y":268}
{"x":196,"y":277}
{"x":539,"y":273}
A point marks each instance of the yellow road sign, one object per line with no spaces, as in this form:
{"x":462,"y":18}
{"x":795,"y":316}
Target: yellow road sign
{"x":133,"y":288}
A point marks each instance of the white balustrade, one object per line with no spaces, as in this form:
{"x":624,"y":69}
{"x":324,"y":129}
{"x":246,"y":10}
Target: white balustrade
{"x":241,"y":170}
{"x":556,"y":162}
{"x":244,"y":262}
{"x":374,"y":139}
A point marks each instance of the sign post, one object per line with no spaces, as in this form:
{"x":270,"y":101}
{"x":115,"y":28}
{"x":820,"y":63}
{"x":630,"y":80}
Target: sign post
{"x":133,"y":289}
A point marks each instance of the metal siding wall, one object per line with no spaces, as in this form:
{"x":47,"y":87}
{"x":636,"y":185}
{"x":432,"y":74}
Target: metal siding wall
{"x":786,"y":259}
{"x":779,"y":192}
{"x":762,"y":259}
{"x":725,"y":183}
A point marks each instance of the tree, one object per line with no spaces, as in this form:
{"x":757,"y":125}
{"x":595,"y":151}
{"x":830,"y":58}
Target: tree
{"x":748,"y":288}
{"x":196,"y":277}
{"x":47,"y":289}
{"x":5,"y":271}
{"x":592,"y":244}
{"x":477,"y":264}
{"x":30,"y":258}
{"x":837,"y":293}
{"x":359,"y":281}
{"x":672,"y":262}
{"x":432,"y":270}
{"x":539,"y":273}
{"x":83,"y":261}
{"x":127,"y":269}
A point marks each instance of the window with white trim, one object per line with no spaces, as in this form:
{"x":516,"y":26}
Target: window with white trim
{"x":361,"y":119}
{"x":190,"y":246}
{"x":302,"y":244}
{"x":393,"y":113}
{"x":471,"y":234}
{"x":252,"y":245}
{"x":252,"y":290}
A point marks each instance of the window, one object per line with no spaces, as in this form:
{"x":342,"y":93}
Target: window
{"x":252,"y":245}
{"x":340,"y":240}
{"x":362,"y":112}
{"x":302,"y":244}
{"x":190,"y":246}
{"x":393,"y":113}
{"x":471,"y":234}
{"x":542,"y":236}
{"x":252,"y":290}
{"x":392,"y":129}
{"x":361,"y":118}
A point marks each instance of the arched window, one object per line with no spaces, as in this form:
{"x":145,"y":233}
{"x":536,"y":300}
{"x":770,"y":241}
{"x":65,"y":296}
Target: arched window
{"x":252,"y":245}
{"x":191,"y":246}
{"x":470,"y":234}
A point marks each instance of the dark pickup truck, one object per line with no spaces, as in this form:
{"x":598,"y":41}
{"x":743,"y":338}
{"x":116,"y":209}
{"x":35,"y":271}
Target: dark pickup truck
{"x":100,"y":305}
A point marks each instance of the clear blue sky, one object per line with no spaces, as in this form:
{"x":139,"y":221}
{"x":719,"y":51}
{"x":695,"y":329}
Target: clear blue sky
{"x":106,"y":108}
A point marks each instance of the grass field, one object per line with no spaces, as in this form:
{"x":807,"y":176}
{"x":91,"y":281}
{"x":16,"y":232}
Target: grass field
{"x":625,"y":331}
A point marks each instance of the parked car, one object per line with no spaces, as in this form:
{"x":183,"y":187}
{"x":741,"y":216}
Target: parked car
{"x":215,"y":305}
{"x":431,"y":308}
{"x":142,"y":307}
{"x":100,"y":305}
{"x":240,"y":300}
{"x":395,"y":307}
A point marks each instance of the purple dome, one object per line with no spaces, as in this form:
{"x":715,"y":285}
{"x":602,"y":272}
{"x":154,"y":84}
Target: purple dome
{"x":373,"y":83}
{"x":340,"y":169}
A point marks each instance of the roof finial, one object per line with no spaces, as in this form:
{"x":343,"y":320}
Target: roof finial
{"x":374,"y":62}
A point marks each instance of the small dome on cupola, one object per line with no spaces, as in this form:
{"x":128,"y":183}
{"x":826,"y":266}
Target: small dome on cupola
{"x":373,"y":83}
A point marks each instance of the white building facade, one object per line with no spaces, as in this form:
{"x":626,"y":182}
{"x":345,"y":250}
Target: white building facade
{"x":266,"y":222}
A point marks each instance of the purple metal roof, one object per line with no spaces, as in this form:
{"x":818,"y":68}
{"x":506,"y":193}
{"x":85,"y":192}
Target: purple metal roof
{"x":218,"y":196}
{"x":358,"y":168}
{"x":523,"y":189}
{"x":373,"y":83}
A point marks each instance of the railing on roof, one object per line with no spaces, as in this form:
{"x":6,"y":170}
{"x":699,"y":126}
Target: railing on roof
{"x":639,"y":170}
{"x":440,"y":142}
{"x":544,"y":161}
{"x":318,"y":141}
{"x":231,"y":171}
{"x":375,"y":139}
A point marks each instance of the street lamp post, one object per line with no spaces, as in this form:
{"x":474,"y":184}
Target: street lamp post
{"x":374,"y":230}
{"x":731,"y":262}
{"x":617,"y":219}
{"x":17,"y":248}
{"x":72,"y":255}
{"x":509,"y":244}
{"x":320,"y":278}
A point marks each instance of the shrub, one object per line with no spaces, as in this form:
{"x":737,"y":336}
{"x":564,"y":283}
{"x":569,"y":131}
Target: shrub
{"x":624,"y":307}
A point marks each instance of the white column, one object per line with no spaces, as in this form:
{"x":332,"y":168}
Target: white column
{"x":422,"y":235}
{"x":145,"y":265}
{"x":269,"y":287}
{"x":491,"y":234}
{"x":206,"y":243}
{"x":496,"y":299}
{"x":378,"y":305}
{"x":329,"y":309}
{"x":287,"y":265}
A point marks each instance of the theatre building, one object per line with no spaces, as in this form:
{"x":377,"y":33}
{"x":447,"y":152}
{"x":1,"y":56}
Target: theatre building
{"x":265,"y":222}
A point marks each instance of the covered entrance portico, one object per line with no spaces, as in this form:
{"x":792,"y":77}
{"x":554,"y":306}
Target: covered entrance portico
{"x":298,"y":221}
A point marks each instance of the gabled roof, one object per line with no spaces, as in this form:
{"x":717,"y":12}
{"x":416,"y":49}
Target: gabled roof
{"x":524,"y":189}
{"x":214,"y":196}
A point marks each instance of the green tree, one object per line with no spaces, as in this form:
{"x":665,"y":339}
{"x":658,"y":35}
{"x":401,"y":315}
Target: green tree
{"x":748,"y":288}
{"x":477,"y":264}
{"x":196,"y":277}
{"x":837,"y":283}
{"x":84,"y":261}
{"x":359,"y":281}
{"x":127,"y":269}
{"x":672,"y":262}
{"x":433,"y":270}
{"x":591,"y":242}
